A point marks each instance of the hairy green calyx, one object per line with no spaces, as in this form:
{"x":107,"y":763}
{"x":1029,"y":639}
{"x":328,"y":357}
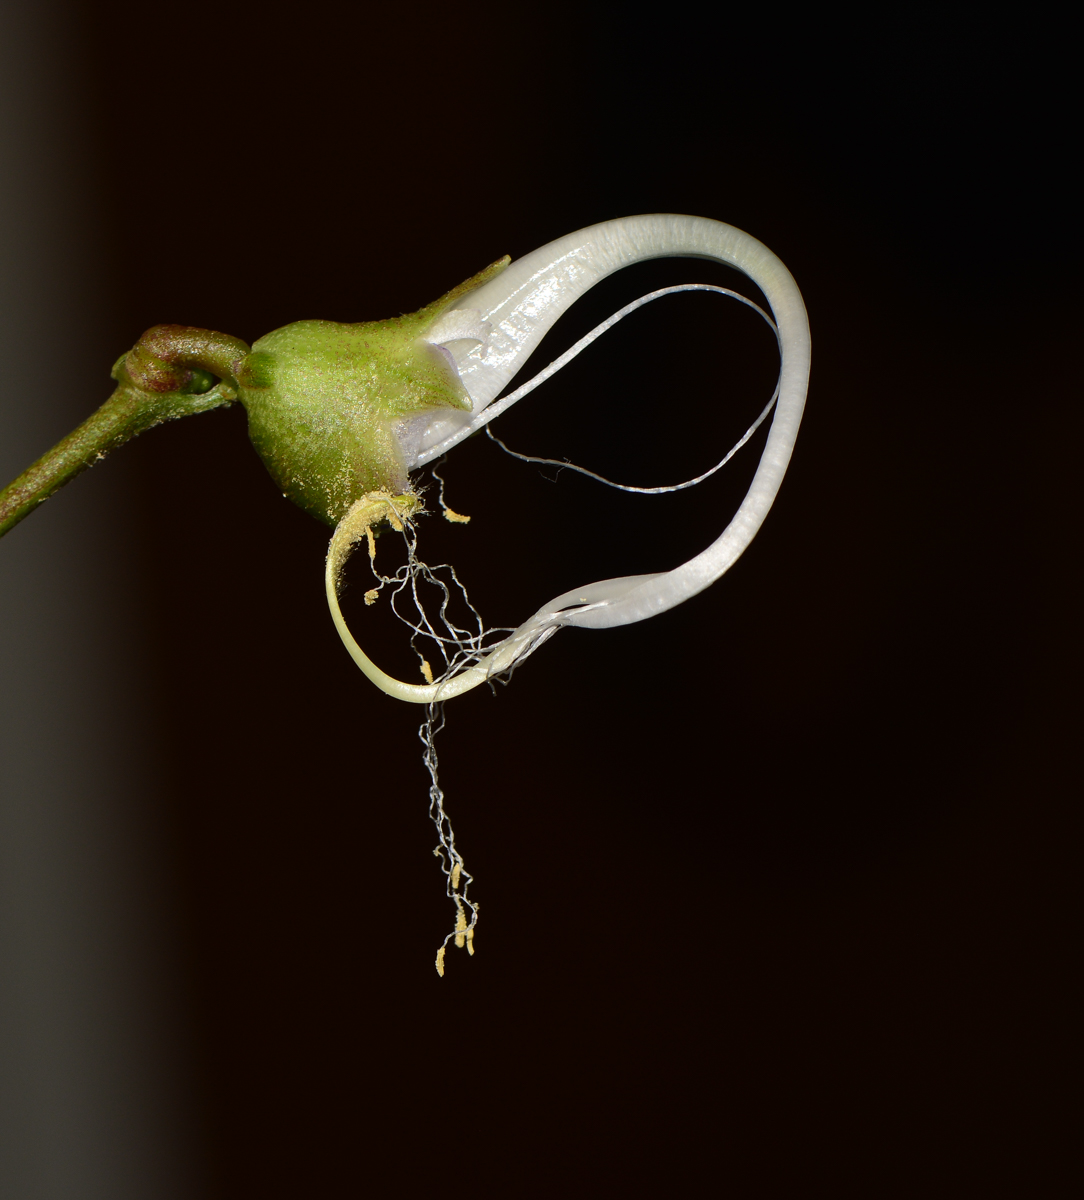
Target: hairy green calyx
{"x":323,"y":399}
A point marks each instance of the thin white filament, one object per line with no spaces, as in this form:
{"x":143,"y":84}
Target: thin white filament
{"x":600,"y":329}
{"x":458,"y":878}
{"x":565,"y":465}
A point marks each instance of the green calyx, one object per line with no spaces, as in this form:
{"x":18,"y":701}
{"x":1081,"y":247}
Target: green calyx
{"x":323,"y":399}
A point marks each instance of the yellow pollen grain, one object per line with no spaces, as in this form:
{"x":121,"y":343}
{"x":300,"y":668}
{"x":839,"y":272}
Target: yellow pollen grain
{"x":427,"y":671}
{"x":371,"y":595}
{"x":454,"y":517}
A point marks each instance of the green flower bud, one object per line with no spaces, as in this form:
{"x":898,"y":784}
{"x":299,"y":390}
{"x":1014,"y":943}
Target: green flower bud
{"x":323,"y":400}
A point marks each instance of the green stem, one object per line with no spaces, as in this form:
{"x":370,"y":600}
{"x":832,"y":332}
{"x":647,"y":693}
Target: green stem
{"x":166,"y":376}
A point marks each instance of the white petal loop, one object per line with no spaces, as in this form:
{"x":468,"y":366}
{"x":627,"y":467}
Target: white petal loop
{"x":521,"y":304}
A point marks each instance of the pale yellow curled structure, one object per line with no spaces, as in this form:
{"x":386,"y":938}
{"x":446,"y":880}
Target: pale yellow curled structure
{"x":357,"y":526}
{"x":509,"y":316}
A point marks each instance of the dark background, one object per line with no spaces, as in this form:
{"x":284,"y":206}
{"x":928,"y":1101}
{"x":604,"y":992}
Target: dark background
{"x":773,"y":886}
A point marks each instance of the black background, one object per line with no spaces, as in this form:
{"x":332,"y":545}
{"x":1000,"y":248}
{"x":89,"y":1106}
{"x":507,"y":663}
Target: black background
{"x":772,"y":887}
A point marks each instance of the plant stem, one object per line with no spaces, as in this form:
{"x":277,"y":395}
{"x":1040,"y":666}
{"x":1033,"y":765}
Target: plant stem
{"x":165,"y":376}
{"x":125,"y":414}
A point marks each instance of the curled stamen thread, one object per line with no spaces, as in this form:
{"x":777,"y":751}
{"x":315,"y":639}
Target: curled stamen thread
{"x":454,"y":869}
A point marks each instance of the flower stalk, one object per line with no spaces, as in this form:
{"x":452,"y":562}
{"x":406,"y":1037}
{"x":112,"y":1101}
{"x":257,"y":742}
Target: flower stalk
{"x":168,"y":374}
